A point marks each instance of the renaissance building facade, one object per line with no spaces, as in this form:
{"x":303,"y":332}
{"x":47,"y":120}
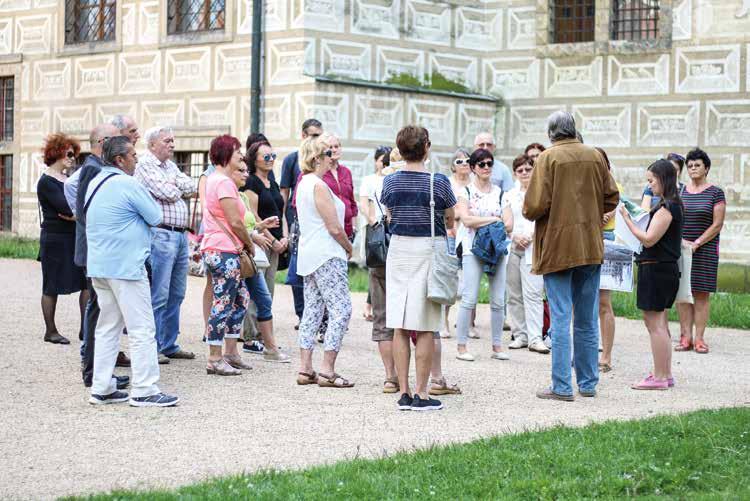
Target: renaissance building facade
{"x":643,"y":78}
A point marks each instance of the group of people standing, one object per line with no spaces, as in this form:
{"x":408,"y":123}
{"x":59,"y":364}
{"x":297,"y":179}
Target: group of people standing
{"x":116,"y":230}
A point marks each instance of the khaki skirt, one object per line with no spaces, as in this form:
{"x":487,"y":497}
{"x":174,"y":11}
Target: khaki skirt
{"x":406,"y":272}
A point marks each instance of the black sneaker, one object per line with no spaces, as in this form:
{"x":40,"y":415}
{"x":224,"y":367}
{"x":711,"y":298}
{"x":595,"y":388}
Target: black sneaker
{"x":418,"y":404}
{"x":404,"y":403}
{"x":158,"y":400}
{"x":113,"y":398}
{"x":122,"y":382}
{"x":254,"y":347}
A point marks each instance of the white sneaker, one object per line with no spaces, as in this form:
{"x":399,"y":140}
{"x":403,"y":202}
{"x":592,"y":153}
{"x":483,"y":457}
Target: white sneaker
{"x":500,"y":355}
{"x":276,"y":356}
{"x":539,"y":347}
{"x":548,"y":342}
{"x":466,"y":356}
{"x":474,"y":333}
{"x":517,"y":343}
{"x":445,"y":334}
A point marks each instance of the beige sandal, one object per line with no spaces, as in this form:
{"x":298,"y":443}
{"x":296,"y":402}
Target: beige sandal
{"x":390,"y":385}
{"x":304,"y":378}
{"x":237,"y":362}
{"x":441,"y":387}
{"x":333,"y":381}
{"x":221,"y":368}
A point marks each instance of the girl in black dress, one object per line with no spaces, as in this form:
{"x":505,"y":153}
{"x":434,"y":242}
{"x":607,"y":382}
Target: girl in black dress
{"x":57,"y":239}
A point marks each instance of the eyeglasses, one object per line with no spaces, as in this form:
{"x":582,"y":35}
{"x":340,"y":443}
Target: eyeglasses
{"x":460,"y":161}
{"x":269,"y":157}
{"x":328,"y":153}
{"x":485,"y":165}
{"x":527,"y":169}
{"x":70,"y":154}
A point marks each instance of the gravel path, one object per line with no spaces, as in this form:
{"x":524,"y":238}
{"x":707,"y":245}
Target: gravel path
{"x":54,"y":443}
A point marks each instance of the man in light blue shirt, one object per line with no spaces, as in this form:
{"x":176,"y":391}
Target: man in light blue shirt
{"x":119,"y":215}
{"x":501,"y":175}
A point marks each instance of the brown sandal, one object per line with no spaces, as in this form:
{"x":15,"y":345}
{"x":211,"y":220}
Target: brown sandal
{"x":333,"y":381}
{"x":441,"y":387}
{"x":685,"y":344}
{"x":304,"y":378}
{"x":390,"y":385}
{"x":603,"y":367}
{"x":701,"y":347}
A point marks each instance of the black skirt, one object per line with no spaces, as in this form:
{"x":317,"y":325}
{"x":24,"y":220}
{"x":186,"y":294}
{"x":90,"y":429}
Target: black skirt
{"x":658,"y":284}
{"x":60,"y":275}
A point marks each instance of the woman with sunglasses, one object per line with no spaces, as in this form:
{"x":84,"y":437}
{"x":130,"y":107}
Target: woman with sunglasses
{"x":480,"y":206}
{"x":60,"y":275}
{"x":339,"y":179}
{"x":525,"y":290}
{"x":649,"y":200}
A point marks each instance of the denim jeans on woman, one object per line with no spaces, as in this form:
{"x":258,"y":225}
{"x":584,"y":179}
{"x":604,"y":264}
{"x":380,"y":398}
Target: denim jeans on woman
{"x":259,"y":293}
{"x":574,"y":291}
{"x":472,"y":277}
{"x":230,"y":297}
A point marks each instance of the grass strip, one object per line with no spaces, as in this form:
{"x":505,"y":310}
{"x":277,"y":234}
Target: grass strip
{"x":18,"y":248}
{"x":704,"y":454}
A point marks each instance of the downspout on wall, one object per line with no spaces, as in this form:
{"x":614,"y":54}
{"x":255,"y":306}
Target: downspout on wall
{"x":256,"y":66}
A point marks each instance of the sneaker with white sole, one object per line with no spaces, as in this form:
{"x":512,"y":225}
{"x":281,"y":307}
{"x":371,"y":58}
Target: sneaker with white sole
{"x":539,"y":347}
{"x":404,"y":403}
{"x":113,"y":398}
{"x":465,"y":356}
{"x":517,"y":344}
{"x":500,"y":355}
{"x":474,"y":333}
{"x":157,"y":400}
{"x":254,"y":347}
{"x":548,"y":342}
{"x":276,"y":356}
{"x":430,"y":404}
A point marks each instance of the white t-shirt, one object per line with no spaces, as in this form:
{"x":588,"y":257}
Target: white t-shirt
{"x":374,"y":185}
{"x":514,"y":200}
{"x":480,"y":204}
{"x":316,"y":245}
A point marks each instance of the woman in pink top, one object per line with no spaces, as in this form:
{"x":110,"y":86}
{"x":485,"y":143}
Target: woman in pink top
{"x":339,"y":179}
{"x":224,"y":237}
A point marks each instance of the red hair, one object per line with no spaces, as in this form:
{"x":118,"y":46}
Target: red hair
{"x":222,"y":149}
{"x":56,"y":145}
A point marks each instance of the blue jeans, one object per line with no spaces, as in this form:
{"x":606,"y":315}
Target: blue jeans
{"x":256,"y":286}
{"x":169,"y":264}
{"x":574,"y":291}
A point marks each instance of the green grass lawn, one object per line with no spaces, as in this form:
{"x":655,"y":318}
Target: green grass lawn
{"x":18,"y":248}
{"x":701,"y":455}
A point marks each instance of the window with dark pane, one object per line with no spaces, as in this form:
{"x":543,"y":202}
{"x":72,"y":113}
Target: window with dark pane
{"x":635,"y":19}
{"x":572,"y":21}
{"x":6,"y":192}
{"x":192,"y":163}
{"x":89,"y":20}
{"x":6,"y":109}
{"x":188,"y":16}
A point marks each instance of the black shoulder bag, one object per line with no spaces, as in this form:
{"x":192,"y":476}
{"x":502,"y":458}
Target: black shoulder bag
{"x":377,"y":239}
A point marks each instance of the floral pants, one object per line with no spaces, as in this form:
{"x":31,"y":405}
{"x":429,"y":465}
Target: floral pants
{"x":326,"y":289}
{"x":230,"y":297}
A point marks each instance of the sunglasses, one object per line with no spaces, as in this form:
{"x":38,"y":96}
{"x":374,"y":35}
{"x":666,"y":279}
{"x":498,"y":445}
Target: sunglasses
{"x":328,"y":153}
{"x":242,"y":171}
{"x":527,"y":169}
{"x":460,"y":161}
{"x":70,"y":154}
{"x":485,"y":165}
{"x":269,"y":157}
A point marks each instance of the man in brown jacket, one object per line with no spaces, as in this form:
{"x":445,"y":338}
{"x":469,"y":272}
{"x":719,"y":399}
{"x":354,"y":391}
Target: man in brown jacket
{"x":570,"y":191}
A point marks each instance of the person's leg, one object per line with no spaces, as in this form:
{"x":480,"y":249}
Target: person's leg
{"x":89,"y":327}
{"x":687,"y":318}
{"x":436,"y":369}
{"x":402,"y":357}
{"x":177,"y":287}
{"x":163,"y":256}
{"x":533,"y":304}
{"x":472,"y":270}
{"x":585,"y":289}
{"x":516,"y":304}
{"x":270,"y":272}
{"x":83,"y":299}
{"x":559,"y":296}
{"x":49,"y":307}
{"x":497,"y":304}
{"x":702,"y":309}
{"x":108,"y":329}
{"x":241,"y":298}
{"x":310,"y":323}
{"x":380,"y":334}
{"x":261,"y":297}
{"x":656,"y":323}
{"x":222,"y":286}
{"x":333,"y":282}
{"x":606,"y":326}
{"x":134,"y":300}
{"x":208,"y":298}
{"x":423,"y":363}
{"x":298,"y":294}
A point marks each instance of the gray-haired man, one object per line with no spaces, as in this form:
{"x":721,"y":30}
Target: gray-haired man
{"x":127,"y":127}
{"x":169,"y":248}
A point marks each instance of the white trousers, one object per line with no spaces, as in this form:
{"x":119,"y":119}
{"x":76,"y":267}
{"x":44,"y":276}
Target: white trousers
{"x":125,"y":303}
{"x":525,"y":306}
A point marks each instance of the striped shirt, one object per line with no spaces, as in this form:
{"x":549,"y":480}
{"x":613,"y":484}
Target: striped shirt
{"x":407,"y":195}
{"x":168,"y":185}
{"x":699,"y":216}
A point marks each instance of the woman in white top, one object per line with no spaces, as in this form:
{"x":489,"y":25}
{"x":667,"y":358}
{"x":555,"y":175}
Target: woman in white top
{"x":480,"y":205}
{"x":322,"y":256}
{"x":525,"y":306}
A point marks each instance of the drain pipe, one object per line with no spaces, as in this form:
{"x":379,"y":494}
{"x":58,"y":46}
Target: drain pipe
{"x":255,"y":67}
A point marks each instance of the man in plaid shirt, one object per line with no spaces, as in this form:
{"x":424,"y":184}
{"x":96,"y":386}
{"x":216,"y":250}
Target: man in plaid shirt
{"x":169,"y":249}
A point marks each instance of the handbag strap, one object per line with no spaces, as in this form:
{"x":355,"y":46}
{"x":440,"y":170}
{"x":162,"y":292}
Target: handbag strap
{"x":224,"y":229}
{"x":432,"y":207}
{"x":88,"y":202}
{"x":195,"y":210}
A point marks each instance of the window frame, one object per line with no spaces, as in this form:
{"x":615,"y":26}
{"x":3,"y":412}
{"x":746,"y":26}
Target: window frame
{"x":72,"y":13}
{"x":6,"y":192}
{"x":227,"y":34}
{"x":556,"y":21}
{"x":7,"y":95}
{"x":614,"y":21}
{"x":174,"y":20}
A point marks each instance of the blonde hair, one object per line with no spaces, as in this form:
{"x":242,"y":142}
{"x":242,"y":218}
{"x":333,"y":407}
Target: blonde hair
{"x":310,"y":149}
{"x":396,"y":162}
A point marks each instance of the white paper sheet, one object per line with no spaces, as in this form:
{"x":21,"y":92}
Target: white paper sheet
{"x":623,"y":232}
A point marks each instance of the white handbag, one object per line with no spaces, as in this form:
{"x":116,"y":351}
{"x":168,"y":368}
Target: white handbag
{"x":442,"y":282}
{"x":685,"y":263}
{"x":260,"y":257}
